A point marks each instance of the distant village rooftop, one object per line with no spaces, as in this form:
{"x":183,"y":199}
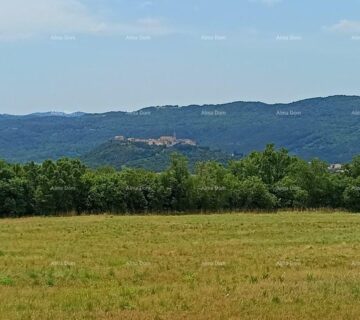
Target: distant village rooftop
{"x":167,"y":141}
{"x":336,"y":168}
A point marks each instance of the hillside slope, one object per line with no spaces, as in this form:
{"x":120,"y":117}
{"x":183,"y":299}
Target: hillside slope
{"x":140,"y":155}
{"x":328,"y":128}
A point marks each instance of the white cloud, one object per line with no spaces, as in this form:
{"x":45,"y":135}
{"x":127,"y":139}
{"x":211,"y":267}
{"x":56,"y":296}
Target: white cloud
{"x":345,"y":26}
{"x":21,"y":19}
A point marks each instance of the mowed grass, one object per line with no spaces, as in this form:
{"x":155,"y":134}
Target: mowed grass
{"x":231,"y":266}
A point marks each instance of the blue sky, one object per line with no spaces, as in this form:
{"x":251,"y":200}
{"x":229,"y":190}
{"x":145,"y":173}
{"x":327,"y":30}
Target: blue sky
{"x":96,"y":56}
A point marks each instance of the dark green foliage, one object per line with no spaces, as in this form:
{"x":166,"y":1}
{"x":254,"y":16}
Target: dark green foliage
{"x":211,"y":187}
{"x":289,"y":194}
{"x":176,"y":184}
{"x":266,"y":180}
{"x":352,"y":195}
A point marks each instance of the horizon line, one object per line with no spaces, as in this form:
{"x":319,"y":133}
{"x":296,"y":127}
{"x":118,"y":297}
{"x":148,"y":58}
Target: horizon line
{"x":57,"y":113}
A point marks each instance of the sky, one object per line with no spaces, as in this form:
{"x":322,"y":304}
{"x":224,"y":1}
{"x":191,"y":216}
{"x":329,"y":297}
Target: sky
{"x":102,"y":55}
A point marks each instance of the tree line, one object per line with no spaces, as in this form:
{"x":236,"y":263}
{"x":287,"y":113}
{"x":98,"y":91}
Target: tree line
{"x":267,"y":180}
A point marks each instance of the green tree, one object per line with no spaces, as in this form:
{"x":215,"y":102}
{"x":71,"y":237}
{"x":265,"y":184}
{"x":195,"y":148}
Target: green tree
{"x":210,"y":191}
{"x":352,"y":195}
{"x":177,"y":185}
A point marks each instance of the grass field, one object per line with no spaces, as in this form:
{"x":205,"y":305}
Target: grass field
{"x":240,"y":266}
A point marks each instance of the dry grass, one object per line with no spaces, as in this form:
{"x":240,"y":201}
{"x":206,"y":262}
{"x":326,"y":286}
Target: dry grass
{"x":240,"y":266}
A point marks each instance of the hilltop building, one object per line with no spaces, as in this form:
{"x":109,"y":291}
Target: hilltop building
{"x":119,"y":138}
{"x":336,"y":168}
{"x":167,"y":141}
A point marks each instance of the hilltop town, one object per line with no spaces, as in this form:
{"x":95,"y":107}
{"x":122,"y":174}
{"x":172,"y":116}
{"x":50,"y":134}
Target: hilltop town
{"x":167,"y":141}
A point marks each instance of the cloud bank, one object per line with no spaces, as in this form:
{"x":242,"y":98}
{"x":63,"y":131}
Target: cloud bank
{"x":23,"y":19}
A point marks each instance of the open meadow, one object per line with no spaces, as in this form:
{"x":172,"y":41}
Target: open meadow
{"x":230,"y":266}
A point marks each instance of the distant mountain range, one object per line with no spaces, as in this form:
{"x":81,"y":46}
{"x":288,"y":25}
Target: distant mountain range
{"x":328,"y":128}
{"x":56,"y":114}
{"x":47,"y":114}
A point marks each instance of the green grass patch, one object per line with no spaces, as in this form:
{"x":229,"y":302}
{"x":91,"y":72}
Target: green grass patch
{"x":230,"y":266}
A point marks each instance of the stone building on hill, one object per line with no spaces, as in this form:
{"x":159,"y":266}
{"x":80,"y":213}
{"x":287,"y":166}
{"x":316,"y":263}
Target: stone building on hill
{"x":167,"y":141}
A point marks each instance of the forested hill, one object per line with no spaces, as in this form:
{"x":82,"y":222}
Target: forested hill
{"x":120,"y":154}
{"x":328,"y":128}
